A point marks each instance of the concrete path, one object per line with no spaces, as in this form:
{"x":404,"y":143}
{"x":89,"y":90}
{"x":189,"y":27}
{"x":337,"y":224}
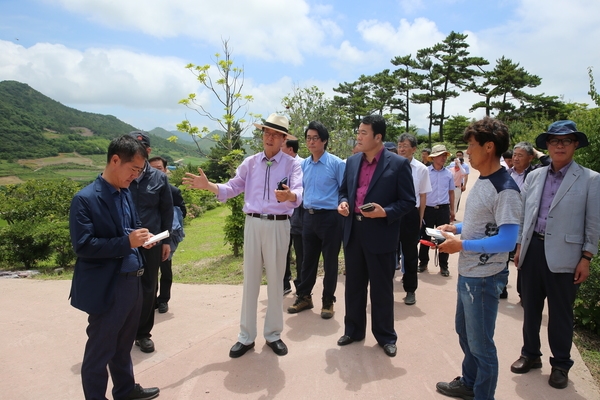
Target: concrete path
{"x":42,"y":339}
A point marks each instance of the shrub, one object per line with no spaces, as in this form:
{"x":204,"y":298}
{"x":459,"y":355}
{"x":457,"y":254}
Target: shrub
{"x":587,"y":303}
{"x":22,"y":243}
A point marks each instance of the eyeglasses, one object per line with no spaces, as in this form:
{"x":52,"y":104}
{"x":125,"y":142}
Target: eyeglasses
{"x":313,"y":138}
{"x":272,"y":134}
{"x":562,"y":142}
{"x":404,"y":146}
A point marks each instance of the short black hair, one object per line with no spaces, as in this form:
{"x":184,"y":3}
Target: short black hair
{"x":321,"y":131}
{"x":293,"y":144}
{"x":489,"y":130}
{"x":126,"y":147}
{"x":507,"y":154}
{"x":408,"y":138}
{"x":377,"y":123}
{"x":426,"y":150}
{"x":161,"y":159}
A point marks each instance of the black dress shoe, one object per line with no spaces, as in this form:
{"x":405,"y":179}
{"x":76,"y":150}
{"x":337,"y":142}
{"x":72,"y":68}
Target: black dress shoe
{"x":389,"y":349}
{"x":278,"y":347}
{"x":344,"y":340}
{"x":146,"y":344}
{"x":139,"y":392}
{"x":559,"y":378}
{"x":524,"y":364}
{"x":239,"y":349}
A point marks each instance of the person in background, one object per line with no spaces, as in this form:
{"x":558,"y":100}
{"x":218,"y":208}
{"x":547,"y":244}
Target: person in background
{"x":291,"y":147}
{"x":106,"y":234}
{"x":177,"y":235}
{"x":439,"y":209}
{"x":488,"y":232}
{"x":151,"y":194}
{"x":266,"y":229}
{"x":506,"y":160}
{"x":425,"y":156}
{"x":558,"y":236}
{"x":411,"y":222}
{"x":523,"y":155}
{"x":460,"y":155}
{"x":458,"y":174}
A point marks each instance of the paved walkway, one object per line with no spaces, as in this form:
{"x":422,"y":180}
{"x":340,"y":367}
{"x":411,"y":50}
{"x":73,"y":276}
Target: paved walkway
{"x":42,"y":339}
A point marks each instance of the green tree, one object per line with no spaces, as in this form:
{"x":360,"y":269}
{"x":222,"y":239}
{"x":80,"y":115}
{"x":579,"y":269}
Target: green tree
{"x":407,"y":79}
{"x":504,"y":83}
{"x":456,"y":68}
{"x":226,"y":88}
{"x":454,"y":128}
{"x":593,"y":93}
{"x":429,"y":83}
{"x":310,"y":104}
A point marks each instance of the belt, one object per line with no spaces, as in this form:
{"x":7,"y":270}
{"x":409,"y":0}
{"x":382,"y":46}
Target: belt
{"x":439,"y":206}
{"x":317,"y":211}
{"x":359,"y":217}
{"x":270,"y":217}
{"x":538,"y":235}
{"x":139,"y":272}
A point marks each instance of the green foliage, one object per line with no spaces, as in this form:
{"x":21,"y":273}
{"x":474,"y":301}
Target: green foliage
{"x":234,"y":225}
{"x":37,"y":200}
{"x":34,"y":126}
{"x":455,"y":127}
{"x":593,"y":92}
{"x":22,"y":243}
{"x":37,"y":213}
{"x":587,"y":303}
{"x":588,"y":121}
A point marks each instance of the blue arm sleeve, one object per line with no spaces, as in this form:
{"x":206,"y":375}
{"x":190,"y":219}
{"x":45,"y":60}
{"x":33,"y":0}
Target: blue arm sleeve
{"x":458,"y":228}
{"x":504,"y":241}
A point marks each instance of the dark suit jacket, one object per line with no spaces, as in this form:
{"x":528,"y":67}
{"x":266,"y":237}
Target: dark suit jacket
{"x":391,"y":187}
{"x":100,"y":244}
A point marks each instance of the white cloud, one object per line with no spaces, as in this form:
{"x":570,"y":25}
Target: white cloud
{"x":97,"y":76}
{"x":267,"y":29}
{"x":405,"y":39}
{"x":411,"y":6}
{"x":552,"y":40}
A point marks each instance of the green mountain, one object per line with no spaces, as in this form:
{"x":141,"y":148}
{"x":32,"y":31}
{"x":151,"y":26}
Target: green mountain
{"x":32,"y":126}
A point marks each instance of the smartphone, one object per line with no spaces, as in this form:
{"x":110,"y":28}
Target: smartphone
{"x":367,"y":207}
{"x":281,"y":183}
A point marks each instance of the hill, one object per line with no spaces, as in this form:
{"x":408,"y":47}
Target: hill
{"x":33,"y":125}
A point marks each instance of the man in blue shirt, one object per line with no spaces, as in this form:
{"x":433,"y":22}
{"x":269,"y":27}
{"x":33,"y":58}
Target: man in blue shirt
{"x":321,"y":226}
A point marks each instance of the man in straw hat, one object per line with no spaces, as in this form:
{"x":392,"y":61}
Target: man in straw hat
{"x":558,"y":237}
{"x":439,"y":209}
{"x":267,"y":227}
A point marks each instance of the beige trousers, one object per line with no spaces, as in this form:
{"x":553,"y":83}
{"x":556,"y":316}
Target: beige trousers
{"x":265,"y":244}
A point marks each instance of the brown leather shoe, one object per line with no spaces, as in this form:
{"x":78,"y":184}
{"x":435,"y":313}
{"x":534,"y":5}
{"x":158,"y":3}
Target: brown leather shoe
{"x":524,"y":364}
{"x":559,"y":378}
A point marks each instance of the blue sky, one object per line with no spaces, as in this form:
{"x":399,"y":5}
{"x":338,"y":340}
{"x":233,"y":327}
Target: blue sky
{"x":126,"y":57}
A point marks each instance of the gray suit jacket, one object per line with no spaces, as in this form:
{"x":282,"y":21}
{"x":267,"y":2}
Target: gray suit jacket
{"x":573,"y":224}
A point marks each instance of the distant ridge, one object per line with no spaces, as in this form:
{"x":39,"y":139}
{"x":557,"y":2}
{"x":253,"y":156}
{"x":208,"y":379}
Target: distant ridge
{"x":33,"y":125}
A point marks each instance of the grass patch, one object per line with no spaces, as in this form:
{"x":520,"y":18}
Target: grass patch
{"x":203,"y":257}
{"x":588,"y":345}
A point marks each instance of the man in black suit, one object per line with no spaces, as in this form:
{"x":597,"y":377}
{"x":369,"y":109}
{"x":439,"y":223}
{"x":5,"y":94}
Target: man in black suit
{"x":383,"y":179}
{"x":106,"y":233}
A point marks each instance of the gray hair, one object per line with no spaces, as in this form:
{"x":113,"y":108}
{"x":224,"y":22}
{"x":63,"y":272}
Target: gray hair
{"x":524,"y":146}
{"x":408,"y":137}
